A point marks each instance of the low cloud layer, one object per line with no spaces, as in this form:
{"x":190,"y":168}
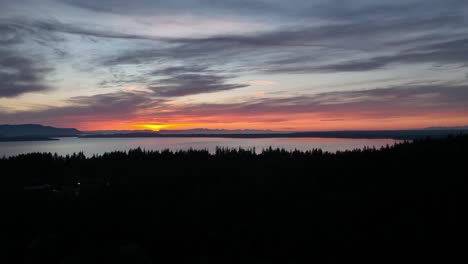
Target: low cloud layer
{"x":378,"y":104}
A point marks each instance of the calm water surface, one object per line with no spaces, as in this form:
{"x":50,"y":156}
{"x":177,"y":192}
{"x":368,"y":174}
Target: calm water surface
{"x":90,"y":146}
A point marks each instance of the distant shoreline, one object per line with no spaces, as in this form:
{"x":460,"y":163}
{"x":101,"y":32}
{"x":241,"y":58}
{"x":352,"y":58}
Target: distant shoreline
{"x":35,"y":132}
{"x":390,"y":134}
{"x":364,"y":134}
{"x":32,"y":138}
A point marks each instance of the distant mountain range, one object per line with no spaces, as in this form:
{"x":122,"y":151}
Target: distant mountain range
{"x":448,"y":128}
{"x":40,"y":132}
{"x":33,"y":130}
{"x":107,"y":132}
{"x":206,"y":131}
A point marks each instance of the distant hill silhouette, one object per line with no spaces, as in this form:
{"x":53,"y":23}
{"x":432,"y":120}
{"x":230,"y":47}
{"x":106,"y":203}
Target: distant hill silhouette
{"x":33,"y":130}
{"x":447,"y":128}
{"x":40,"y":132}
{"x":207,"y":131}
{"x":361,"y":134}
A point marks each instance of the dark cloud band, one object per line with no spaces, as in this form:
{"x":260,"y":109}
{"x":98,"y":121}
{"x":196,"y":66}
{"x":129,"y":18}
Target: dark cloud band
{"x":19,"y":74}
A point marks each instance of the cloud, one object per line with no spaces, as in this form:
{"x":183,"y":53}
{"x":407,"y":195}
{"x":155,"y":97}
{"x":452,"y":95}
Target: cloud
{"x":20,"y":74}
{"x":277,"y":9}
{"x":179,"y":70}
{"x":95,"y":108}
{"x":55,"y":26}
{"x":261,"y":82}
{"x":149,"y":7}
{"x":50,"y":32}
{"x":378,"y":104}
{"x":111,"y":103}
{"x":385,"y":9}
{"x":332,"y":120}
{"x":293,"y":49}
{"x":9,"y":34}
{"x":189,"y":84}
{"x":176,"y":81}
{"x":19,"y":31}
{"x":14,"y":30}
{"x":448,"y":52}
{"x":316,"y":49}
{"x":355,"y":28}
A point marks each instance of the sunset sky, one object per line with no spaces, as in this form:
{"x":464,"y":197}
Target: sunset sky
{"x":234,"y":64}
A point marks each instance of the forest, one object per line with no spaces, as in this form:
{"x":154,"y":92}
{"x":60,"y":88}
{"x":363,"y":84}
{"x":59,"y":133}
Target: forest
{"x":401,"y":203}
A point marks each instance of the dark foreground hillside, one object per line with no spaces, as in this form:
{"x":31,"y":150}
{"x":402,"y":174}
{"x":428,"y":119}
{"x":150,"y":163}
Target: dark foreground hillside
{"x":398,"y":204}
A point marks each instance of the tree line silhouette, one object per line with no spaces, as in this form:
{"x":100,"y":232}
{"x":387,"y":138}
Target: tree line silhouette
{"x":236,"y":206}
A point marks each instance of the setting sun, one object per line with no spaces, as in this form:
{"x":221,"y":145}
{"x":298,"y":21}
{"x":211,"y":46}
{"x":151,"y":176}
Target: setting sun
{"x":155,"y":127}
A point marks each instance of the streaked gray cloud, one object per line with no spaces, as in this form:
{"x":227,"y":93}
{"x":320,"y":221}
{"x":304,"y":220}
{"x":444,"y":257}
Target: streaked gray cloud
{"x":390,"y":102}
{"x":300,"y":45}
{"x":177,"y":81}
{"x":304,"y":50}
{"x":180,"y":70}
{"x":111,"y":103}
{"x":329,"y":9}
{"x":449,"y":52}
{"x":149,"y":7}
{"x":9,"y":34}
{"x":99,"y":107}
{"x":189,"y":84}
{"x":54,"y":26}
{"x":21,"y":30}
{"x":15,"y":29}
{"x":380,"y":103}
{"x":20,"y":74}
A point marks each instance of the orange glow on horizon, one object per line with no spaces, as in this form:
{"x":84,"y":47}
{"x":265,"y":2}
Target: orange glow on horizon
{"x":299,"y":123}
{"x":154,"y":127}
{"x":267,"y":121}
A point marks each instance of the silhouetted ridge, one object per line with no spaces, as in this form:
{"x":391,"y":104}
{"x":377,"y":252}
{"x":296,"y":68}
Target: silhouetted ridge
{"x":32,"y":130}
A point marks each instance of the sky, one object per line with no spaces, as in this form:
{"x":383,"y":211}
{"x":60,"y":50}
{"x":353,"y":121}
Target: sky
{"x":291,"y":65}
